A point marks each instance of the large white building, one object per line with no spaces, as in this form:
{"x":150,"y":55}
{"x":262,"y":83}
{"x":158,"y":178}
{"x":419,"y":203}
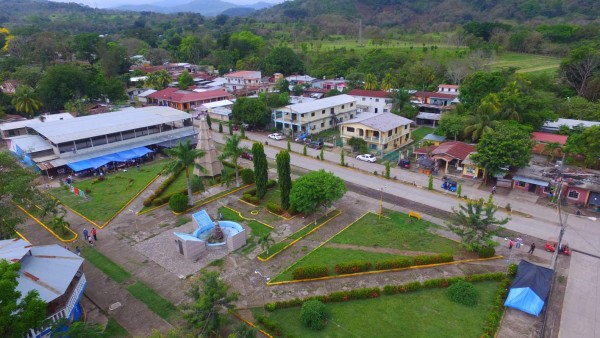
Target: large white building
{"x":372,"y":101}
{"x":315,"y":116}
{"x":90,"y":142}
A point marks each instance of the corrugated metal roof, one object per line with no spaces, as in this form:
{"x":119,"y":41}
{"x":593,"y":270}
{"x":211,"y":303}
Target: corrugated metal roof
{"x":370,"y":93}
{"x":306,"y":107}
{"x":380,"y":121}
{"x":13,"y":250}
{"x":30,"y":143}
{"x":103,"y":124}
{"x":31,"y":122}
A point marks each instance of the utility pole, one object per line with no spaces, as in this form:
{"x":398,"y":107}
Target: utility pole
{"x":360,"y":40}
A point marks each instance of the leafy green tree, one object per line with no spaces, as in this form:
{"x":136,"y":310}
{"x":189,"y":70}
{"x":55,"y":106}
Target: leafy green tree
{"x":388,"y":82}
{"x":245,"y":43}
{"x":358,"y":144}
{"x":314,"y":314}
{"x":192,"y":49}
{"x":185,"y":80}
{"x":230,"y":127}
{"x":77,"y":329}
{"x":400,"y":99}
{"x":232,"y":151}
{"x":16,"y":185}
{"x":282,"y":59}
{"x":86,"y":47}
{"x":342,"y":161}
{"x":317,"y":189}
{"x":387,"y":169}
{"x":581,"y":70}
{"x":25,"y":101}
{"x":475,"y":223}
{"x":508,"y":145}
{"x":478,"y":85}
{"x":551,"y":148}
{"x":289,"y":146}
{"x":282,"y":85}
{"x":184,"y":158}
{"x":265,"y":241}
{"x":371,"y":82}
{"x":260,"y":169}
{"x":211,"y":299}
{"x":209,"y":122}
{"x":251,"y":111}
{"x":484,"y":119}
{"x":63,"y":83}
{"x":158,"y":80}
{"x":586,"y":143}
{"x":452,"y":125}
{"x":114,"y":59}
{"x":284,"y":177}
{"x":18,"y":313}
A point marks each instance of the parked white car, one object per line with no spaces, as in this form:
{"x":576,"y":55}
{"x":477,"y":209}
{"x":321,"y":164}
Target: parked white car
{"x":366,"y":158}
{"x":276,"y":136}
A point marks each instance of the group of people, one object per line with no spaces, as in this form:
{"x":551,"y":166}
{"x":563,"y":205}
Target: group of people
{"x":90,"y":238}
{"x":518,"y":242}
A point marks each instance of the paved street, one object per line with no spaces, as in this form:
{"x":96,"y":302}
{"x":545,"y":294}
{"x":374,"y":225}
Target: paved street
{"x":581,"y":309}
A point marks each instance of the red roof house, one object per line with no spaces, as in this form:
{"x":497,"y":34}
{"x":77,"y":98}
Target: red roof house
{"x":542,"y":139}
{"x":186,"y":99}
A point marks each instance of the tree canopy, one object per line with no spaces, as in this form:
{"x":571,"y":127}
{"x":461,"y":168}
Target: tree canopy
{"x":15,"y":185}
{"x":587,"y":144}
{"x":318,"y":189}
{"x":251,"y":111}
{"x":282,"y":59}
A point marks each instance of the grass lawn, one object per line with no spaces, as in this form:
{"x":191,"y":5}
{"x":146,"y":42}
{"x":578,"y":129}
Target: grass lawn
{"x":331,"y":257}
{"x":109,"y":196}
{"x":424,"y":313}
{"x":113,"y":329}
{"x":421,"y":132}
{"x":526,"y":63}
{"x":258,"y":229}
{"x":398,"y":231}
{"x":159,"y":305}
{"x":178,"y":184}
{"x":277,"y":247}
{"x":111,"y":269}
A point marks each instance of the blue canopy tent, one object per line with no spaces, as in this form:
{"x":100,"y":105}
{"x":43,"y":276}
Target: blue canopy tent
{"x":530,"y":288}
{"x":97,"y":162}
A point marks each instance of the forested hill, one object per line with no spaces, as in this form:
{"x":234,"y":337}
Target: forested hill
{"x":430,"y":15}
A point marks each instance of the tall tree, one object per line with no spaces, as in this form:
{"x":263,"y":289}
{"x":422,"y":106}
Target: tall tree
{"x":252,"y":111}
{"x":478,"y":85}
{"x":282,"y":59}
{"x":586,"y":143}
{"x":26,"y":101}
{"x":184,"y":158}
{"x":211,"y":298}
{"x":388,"y":82}
{"x":16,"y":184}
{"x":185,"y":80}
{"x":317,"y":189}
{"x":284,"y":177}
{"x":580,"y":68}
{"x":260,"y":169}
{"x":475,"y":223}
{"x":508,"y":145}
{"x":18,"y":313}
{"x":371,"y":82}
{"x":62,"y":83}
{"x":232,"y":151}
{"x":158,"y":80}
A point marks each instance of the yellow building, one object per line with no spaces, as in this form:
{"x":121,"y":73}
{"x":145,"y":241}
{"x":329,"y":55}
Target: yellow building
{"x":470,"y":168}
{"x":383,"y":132}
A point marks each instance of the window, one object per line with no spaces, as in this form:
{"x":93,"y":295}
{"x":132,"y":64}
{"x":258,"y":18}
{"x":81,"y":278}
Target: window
{"x":330,"y":123}
{"x":322,"y":124}
{"x":521,"y":184}
{"x":574,"y":194}
{"x":351,"y":104}
{"x":342,"y":106}
{"x":322,"y":111}
{"x":363,"y":98}
{"x":312,"y":114}
{"x":389,"y":133}
{"x":350,"y":129}
{"x":376,"y":100}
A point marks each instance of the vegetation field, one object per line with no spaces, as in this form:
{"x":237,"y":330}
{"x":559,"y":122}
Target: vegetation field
{"x":526,"y":63}
{"x":111,"y":269}
{"x":325,"y":256}
{"x":159,"y":305}
{"x":421,"y":132}
{"x":397,"y":231}
{"x":425,"y":313}
{"x":107,"y":197}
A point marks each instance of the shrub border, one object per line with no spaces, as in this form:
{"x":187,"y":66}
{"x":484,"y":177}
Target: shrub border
{"x":48,"y":228}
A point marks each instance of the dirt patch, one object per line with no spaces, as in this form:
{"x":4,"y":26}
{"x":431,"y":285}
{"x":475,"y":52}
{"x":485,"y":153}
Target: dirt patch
{"x":379,"y":250}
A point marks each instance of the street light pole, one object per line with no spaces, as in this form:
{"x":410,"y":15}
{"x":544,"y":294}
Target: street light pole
{"x":267,"y":279}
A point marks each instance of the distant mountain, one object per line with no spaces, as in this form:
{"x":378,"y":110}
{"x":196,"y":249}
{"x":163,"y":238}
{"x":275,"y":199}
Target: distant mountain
{"x":204,"y":7}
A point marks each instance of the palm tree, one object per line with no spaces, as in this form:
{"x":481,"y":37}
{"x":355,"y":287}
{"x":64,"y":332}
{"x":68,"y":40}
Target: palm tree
{"x":25,"y":100}
{"x":485,"y":117}
{"x":232,"y":150}
{"x":370,"y":82}
{"x":400,"y":98}
{"x":388,"y":82}
{"x":551,"y":149}
{"x":158,"y":80}
{"x":265,"y":241}
{"x":184,"y":158}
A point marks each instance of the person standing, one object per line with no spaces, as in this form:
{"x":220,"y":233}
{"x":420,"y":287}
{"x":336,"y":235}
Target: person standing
{"x":493,"y":190}
{"x":85,"y":234}
{"x":510,"y":244}
{"x":94,"y":234}
{"x":78,"y":251}
{"x":531,"y":249}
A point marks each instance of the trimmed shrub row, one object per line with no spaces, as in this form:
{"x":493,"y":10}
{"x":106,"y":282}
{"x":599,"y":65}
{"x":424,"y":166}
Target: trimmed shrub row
{"x":250,"y":199}
{"x":366,"y":293}
{"x":352,"y":267}
{"x":269,"y":325}
{"x":164,"y":185}
{"x":361,"y":266}
{"x":308,"y":272}
{"x":486,"y":252}
{"x":274,"y":208}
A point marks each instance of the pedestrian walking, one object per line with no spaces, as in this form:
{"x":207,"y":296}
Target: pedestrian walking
{"x":91,"y":241}
{"x":531,"y":249}
{"x":85,"y":234}
{"x":519,"y":242}
{"x":94,"y":234}
{"x":78,"y":251}
{"x":493,"y":190}
{"x":510,"y":244}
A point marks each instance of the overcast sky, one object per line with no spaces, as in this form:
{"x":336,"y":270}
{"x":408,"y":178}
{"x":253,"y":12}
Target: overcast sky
{"x":116,"y":3}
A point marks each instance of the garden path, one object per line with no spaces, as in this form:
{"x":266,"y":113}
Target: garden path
{"x":379,"y":249}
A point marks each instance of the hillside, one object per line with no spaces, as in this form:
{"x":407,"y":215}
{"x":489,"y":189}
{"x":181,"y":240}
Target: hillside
{"x":429,"y":15}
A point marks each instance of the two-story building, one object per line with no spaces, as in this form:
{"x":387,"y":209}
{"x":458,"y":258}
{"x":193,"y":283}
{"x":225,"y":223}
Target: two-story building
{"x":93,"y":141}
{"x":372,"y":101}
{"x":243,"y":80}
{"x":186,"y":99}
{"x":315,"y":116}
{"x":55,"y":273}
{"x":383,"y":132}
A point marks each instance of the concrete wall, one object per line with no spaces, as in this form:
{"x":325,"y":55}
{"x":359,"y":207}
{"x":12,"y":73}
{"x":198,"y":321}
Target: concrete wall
{"x":236,"y":241}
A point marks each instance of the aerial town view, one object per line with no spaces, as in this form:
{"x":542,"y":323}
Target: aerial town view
{"x":299,"y":168}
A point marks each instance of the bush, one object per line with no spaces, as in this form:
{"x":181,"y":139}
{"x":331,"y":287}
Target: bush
{"x":512,"y":270}
{"x":251,"y":199}
{"x":251,"y":191}
{"x":274,"y":208}
{"x":247,"y":176}
{"x":314,"y":314}
{"x":197,"y":184}
{"x":150,"y":200}
{"x":433,"y":259}
{"x":308,"y":272}
{"x":269,"y":325}
{"x":271,"y":183}
{"x":486,"y":252}
{"x":352,"y":267}
{"x":178,"y":202}
{"x":463,"y":293}
{"x":394,"y":264}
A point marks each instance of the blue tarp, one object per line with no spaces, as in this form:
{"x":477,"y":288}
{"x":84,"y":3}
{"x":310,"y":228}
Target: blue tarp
{"x":97,"y":162}
{"x":525,"y":300}
{"x":530,"y":288}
